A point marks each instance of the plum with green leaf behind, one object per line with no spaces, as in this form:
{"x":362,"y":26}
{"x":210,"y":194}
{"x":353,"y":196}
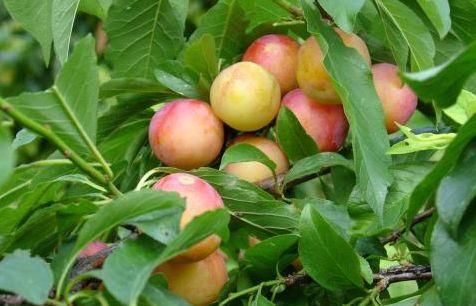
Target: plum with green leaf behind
{"x":313,"y":77}
{"x":277,"y":54}
{"x":185,"y":133}
{"x":245,"y":96}
{"x":255,"y":171}
{"x":200,"y":197}
{"x":398,"y":99}
{"x":326,"y":124}
{"x":199,"y":283}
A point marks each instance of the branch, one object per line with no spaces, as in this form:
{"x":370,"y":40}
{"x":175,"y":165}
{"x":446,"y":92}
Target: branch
{"x":394,"y":236}
{"x":401,"y":273}
{"x":33,"y":126}
{"x":275,"y":186}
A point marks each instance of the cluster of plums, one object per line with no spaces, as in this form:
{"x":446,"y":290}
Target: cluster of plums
{"x":275,"y":72}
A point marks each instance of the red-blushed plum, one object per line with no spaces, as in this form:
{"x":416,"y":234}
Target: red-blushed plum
{"x":200,"y":197}
{"x":186,"y":134}
{"x":254,"y":171}
{"x":325,"y":123}
{"x":398,"y":100}
{"x":313,"y":77}
{"x":245,"y":96}
{"x":199,"y":283}
{"x":278,"y":55}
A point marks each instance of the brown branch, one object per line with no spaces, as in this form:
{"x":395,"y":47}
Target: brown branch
{"x":10,"y":299}
{"x":276,"y":186}
{"x":395,"y":235}
{"x":401,"y":273}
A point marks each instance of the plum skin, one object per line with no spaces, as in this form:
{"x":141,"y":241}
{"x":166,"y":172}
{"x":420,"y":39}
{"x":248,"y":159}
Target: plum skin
{"x":326,"y":124}
{"x":199,"y":283}
{"x":277,"y":54}
{"x":313,"y":77}
{"x":245,"y":96}
{"x":254,"y":171}
{"x":200,"y":197}
{"x":398,"y":100}
{"x":185,"y":133}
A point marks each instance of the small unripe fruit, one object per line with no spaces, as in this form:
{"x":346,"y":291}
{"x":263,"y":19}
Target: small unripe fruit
{"x":254,"y":171}
{"x":278,"y":55}
{"x":186,"y":134}
{"x":325,"y":123}
{"x":200,"y":197}
{"x":92,"y":249}
{"x":199,"y":283}
{"x":313,"y":77}
{"x":245,"y":96}
{"x":398,"y":100}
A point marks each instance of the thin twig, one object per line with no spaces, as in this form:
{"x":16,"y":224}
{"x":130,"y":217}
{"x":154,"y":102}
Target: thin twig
{"x":296,"y":11}
{"x":277,"y":187}
{"x":395,"y":235}
{"x":35,"y":127}
{"x":82,"y":133}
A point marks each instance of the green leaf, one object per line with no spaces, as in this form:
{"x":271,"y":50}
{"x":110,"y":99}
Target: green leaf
{"x":226,"y":22}
{"x":143,"y":33}
{"x":243,"y":152}
{"x":407,"y":177}
{"x":251,"y":204}
{"x":264,"y":12}
{"x":63,"y":15}
{"x":327,"y":257}
{"x":23,"y":137}
{"x":97,"y":8}
{"x":443,"y":83}
{"x":261,"y":301}
{"x":463,"y":13}
{"x":179,"y":79}
{"x":438,"y":11}
{"x":28,"y":13}
{"x":313,"y":164}
{"x":453,"y":263}
{"x":343,"y":12}
{"x":264,"y":256}
{"x":70,"y":107}
{"x":143,"y":255}
{"x":430,"y":298}
{"x":29,"y":277}
{"x":123,"y":143}
{"x":411,"y":29}
{"x":7,"y":162}
{"x":350,"y":74}
{"x":200,"y":56}
{"x":336,"y":215}
{"x":456,"y":191}
{"x":420,"y":142}
{"x":427,"y":186}
{"x":156,"y":293}
{"x":119,"y":211}
{"x":121,"y":86}
{"x":292,"y":137}
{"x":464,"y":107}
